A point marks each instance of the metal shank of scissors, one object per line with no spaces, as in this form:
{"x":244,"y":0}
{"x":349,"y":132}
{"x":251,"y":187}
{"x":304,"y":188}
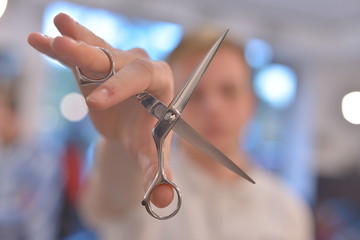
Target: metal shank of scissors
{"x":160,"y":131}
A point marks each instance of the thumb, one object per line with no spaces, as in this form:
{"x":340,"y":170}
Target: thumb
{"x":163,"y":194}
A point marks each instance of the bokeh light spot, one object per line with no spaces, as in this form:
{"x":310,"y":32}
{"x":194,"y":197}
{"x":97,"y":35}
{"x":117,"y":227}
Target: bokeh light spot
{"x":351,"y":107}
{"x":3,"y":5}
{"x":258,"y":53}
{"x":73,"y":107}
{"x":276,"y":84}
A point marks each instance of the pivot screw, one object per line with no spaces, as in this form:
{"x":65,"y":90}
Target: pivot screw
{"x":170,"y":117}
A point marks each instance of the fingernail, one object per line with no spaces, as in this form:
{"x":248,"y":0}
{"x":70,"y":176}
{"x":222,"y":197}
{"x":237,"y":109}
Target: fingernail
{"x":44,"y":35}
{"x":100,"y":95}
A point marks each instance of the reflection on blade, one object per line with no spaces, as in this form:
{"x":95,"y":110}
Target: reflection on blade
{"x":187,"y":132}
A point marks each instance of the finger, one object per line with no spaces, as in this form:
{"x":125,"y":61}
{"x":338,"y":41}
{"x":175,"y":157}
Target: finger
{"x":163,"y":194}
{"x":72,"y":29}
{"x":130,"y":80}
{"x":91,"y":60}
{"x":139,"y":75}
{"x":68,"y":51}
{"x":42,"y":43}
{"x":138,"y":53}
{"x":69,"y":27}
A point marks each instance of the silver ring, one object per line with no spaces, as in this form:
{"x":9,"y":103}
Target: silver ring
{"x":83,"y":80}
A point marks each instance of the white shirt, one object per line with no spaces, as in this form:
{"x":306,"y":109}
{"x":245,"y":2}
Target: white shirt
{"x":216,"y":210}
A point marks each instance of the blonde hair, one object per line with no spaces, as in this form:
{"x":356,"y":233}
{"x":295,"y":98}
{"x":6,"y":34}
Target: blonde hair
{"x":201,"y":41}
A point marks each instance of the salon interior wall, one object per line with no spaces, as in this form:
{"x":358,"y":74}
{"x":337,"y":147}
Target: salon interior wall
{"x":324,"y":52}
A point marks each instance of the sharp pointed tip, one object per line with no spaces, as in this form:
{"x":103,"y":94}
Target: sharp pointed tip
{"x":225,"y":32}
{"x":251,"y":181}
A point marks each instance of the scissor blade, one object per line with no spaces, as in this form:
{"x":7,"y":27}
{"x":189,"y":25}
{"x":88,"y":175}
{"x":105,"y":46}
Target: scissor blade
{"x":187,"y":132}
{"x":183,"y":97}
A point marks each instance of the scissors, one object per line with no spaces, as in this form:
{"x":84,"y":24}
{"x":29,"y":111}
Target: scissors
{"x":169,"y":118}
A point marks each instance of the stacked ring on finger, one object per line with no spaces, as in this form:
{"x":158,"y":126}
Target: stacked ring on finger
{"x":83,"y":80}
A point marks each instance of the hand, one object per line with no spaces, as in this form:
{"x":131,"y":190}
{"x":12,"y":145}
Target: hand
{"x":114,"y":110}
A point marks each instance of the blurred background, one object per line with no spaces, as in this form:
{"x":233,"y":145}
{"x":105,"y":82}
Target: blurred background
{"x":305,"y":57}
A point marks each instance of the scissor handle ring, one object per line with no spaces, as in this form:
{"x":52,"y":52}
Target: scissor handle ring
{"x":84,"y":80}
{"x":147,"y":202}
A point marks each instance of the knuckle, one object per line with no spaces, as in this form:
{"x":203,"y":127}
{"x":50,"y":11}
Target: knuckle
{"x":164,"y":73}
{"x":139,"y":52}
{"x":144,"y":66}
{"x":164,"y":66}
{"x":102,"y":42}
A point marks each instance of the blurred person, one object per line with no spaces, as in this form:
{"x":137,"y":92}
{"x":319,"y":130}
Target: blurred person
{"x":29,"y":177}
{"x":217,"y":204}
